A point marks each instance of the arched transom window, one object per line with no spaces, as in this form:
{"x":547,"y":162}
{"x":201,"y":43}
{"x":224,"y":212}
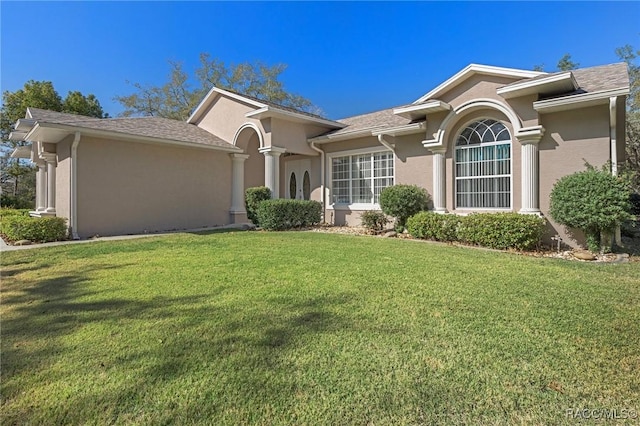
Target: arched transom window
{"x":483,"y":166}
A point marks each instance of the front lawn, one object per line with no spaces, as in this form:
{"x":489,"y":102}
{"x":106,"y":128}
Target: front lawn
{"x":312,"y":328}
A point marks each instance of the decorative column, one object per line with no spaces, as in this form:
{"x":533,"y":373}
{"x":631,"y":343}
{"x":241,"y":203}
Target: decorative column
{"x":238,"y":211}
{"x":272,"y":168}
{"x":439,"y":180}
{"x":41,"y":186}
{"x":50,"y":159}
{"x":530,"y":173}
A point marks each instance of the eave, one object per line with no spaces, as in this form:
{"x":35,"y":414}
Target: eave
{"x":420,"y":111}
{"x":23,"y":151}
{"x":582,"y":100}
{"x":272,"y":112}
{"x":54,"y":133}
{"x":554,"y":84}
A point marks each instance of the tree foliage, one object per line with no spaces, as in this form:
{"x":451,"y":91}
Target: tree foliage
{"x":566,"y":64}
{"x":179,"y":96}
{"x":593,"y":201}
{"x":632,"y":164}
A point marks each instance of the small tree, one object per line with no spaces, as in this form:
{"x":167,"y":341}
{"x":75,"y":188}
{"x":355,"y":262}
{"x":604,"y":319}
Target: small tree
{"x":252,"y":199}
{"x":402,"y":202}
{"x":593,"y":201}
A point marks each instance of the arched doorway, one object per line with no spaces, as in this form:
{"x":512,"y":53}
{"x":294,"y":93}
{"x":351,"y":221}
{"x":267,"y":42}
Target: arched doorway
{"x":248,"y":140}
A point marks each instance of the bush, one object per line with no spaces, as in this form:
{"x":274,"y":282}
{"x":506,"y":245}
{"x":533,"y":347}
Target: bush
{"x":17,"y":202}
{"x":502,"y":230}
{"x":402,"y":202}
{"x":374,"y":221}
{"x":433,"y":226}
{"x":280,"y":214}
{"x":593,"y":201}
{"x":252,"y":199}
{"x":36,"y":229}
{"x":4,"y":213}
{"x":634,"y":200}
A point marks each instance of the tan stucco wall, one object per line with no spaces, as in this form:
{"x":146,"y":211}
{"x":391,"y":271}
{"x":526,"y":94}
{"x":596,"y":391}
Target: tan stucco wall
{"x":475,"y":87}
{"x":127,"y":187}
{"x":570,"y":139}
{"x":293,"y":136}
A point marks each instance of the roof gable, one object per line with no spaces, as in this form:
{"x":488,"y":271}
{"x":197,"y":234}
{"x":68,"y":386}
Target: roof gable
{"x":475,"y":69}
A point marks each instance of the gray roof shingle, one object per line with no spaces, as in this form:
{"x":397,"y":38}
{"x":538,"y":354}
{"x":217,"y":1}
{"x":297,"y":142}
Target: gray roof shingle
{"x":373,"y":120}
{"x":153,"y":127}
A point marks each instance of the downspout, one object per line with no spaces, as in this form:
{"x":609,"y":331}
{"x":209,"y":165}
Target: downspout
{"x":612,"y":130}
{"x":389,"y":145}
{"x":322,"y":184}
{"x":73,"y":211}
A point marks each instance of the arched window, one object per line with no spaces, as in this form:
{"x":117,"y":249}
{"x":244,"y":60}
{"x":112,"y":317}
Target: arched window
{"x":483,"y":166}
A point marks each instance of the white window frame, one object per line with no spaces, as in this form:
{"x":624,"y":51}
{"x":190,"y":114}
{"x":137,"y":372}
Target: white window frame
{"x":350,"y":153}
{"x":456,"y":178}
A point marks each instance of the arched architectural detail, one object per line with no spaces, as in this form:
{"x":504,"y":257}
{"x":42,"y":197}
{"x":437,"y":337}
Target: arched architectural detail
{"x":246,"y":126}
{"x":441,"y":137}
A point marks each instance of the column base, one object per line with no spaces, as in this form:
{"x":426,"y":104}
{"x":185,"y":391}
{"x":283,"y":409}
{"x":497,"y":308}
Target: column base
{"x":530,"y":211}
{"x":40,"y":213}
{"x":238,"y":217}
{"x":440,"y":210}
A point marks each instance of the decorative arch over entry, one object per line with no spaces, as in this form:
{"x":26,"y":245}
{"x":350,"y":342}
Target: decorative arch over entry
{"x":244,"y":127}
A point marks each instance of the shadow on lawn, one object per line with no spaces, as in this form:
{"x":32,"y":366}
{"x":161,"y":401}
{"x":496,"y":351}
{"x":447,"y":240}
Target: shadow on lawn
{"x":151,"y":342}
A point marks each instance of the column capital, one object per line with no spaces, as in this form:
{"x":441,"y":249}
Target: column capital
{"x":239,"y":157}
{"x":530,"y":135}
{"x":49,"y":157}
{"x":272,"y":150}
{"x":438,"y":150}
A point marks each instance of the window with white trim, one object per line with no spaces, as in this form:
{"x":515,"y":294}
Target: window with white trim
{"x":359,"y":179}
{"x":483,"y":166}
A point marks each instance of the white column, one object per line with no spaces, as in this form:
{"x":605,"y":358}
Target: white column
{"x":272,"y":169}
{"x":439,"y":180}
{"x":41,"y":186}
{"x":529,"y":171}
{"x":50,"y":158}
{"x":237,"y":183}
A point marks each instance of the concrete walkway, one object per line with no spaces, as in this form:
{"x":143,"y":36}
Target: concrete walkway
{"x":237,"y":226}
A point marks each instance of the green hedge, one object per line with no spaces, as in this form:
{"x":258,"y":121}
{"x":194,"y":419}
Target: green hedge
{"x":35,"y":229}
{"x":4,"y":213}
{"x":402,"y":202}
{"x":494,"y":230}
{"x":252,"y":199}
{"x":502,"y":230}
{"x":434,"y":226}
{"x":279,"y":214}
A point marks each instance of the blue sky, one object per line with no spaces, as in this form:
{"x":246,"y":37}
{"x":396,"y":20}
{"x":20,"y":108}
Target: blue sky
{"x":348,"y":58}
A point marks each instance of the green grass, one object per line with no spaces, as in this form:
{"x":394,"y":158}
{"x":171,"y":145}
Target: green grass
{"x":310,"y":328}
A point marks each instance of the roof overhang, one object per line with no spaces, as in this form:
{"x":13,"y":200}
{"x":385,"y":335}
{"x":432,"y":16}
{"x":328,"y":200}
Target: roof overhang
{"x":406,"y":129}
{"x":271,"y":112}
{"x":582,"y":100}
{"x":54,"y":133}
{"x":420,"y":111}
{"x":473,"y":69}
{"x":23,"y":151}
{"x":211,"y":96}
{"x":554,"y":84}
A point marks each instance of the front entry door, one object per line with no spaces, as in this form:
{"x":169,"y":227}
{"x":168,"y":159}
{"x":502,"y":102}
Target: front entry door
{"x":298,"y":179}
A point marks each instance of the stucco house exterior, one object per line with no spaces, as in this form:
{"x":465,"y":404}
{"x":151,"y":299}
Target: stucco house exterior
{"x":486,"y":139}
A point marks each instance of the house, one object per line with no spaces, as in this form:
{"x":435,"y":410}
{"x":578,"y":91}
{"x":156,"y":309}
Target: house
{"x":486,"y":139}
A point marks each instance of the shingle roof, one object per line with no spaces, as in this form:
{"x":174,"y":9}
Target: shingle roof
{"x":153,"y":127}
{"x":373,"y":120}
{"x":592,"y":79}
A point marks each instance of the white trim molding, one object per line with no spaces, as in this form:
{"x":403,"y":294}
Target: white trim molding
{"x":244,"y":127}
{"x":413,"y":112}
{"x":555,"y":83}
{"x":439,"y":138}
{"x":582,"y":100}
{"x":472,"y":69}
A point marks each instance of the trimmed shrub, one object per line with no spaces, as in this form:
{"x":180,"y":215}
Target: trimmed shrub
{"x":433,"y":226}
{"x":501,"y":230}
{"x":402,"y":202}
{"x":36,"y":229}
{"x":252,"y":199}
{"x":4,"y":213}
{"x":280,"y":214}
{"x":374,"y":221}
{"x":593,"y":201}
